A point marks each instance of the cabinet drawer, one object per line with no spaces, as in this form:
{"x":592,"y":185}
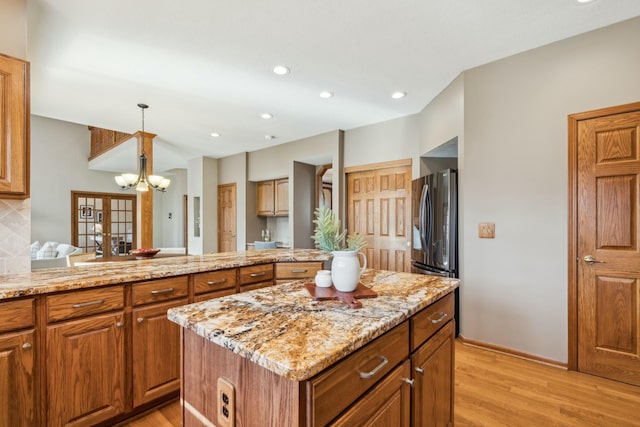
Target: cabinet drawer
{"x":214,"y":294}
{"x":428,"y":321}
{"x":297,"y":270}
{"x":256,"y":273}
{"x":251,"y":287}
{"x":214,"y":281}
{"x":16,"y":314}
{"x":340,"y":385}
{"x":160,"y":290}
{"x":82,"y":303}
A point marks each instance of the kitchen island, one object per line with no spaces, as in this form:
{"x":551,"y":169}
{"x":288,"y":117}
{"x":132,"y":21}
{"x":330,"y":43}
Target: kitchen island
{"x":276,"y":357}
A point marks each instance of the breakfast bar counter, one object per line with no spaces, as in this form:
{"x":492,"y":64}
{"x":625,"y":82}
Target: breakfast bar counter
{"x":108,"y":273}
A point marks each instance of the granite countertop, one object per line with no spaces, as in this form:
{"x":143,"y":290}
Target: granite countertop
{"x":108,"y":273}
{"x":281,"y":329}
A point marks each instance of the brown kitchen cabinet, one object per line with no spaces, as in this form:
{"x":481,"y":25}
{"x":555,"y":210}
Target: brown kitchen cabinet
{"x":388,"y":404}
{"x":14,"y":128}
{"x":86,"y":382}
{"x":156,"y":352}
{"x":215,"y":284}
{"x":290,"y":271}
{"x":85,"y":356}
{"x":256,"y":277}
{"x":272,"y":197}
{"x":17,"y":348}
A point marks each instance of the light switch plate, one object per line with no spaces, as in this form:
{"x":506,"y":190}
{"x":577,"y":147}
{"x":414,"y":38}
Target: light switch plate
{"x":486,"y":230}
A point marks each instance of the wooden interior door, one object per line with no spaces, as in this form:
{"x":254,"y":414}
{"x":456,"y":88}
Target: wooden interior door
{"x":227,"y":218}
{"x":607,"y":244}
{"x":379,"y":208}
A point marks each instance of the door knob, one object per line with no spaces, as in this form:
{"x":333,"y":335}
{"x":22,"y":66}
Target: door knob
{"x":590,"y":259}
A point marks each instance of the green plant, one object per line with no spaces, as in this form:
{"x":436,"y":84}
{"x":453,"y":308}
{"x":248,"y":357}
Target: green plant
{"x":327,"y":234}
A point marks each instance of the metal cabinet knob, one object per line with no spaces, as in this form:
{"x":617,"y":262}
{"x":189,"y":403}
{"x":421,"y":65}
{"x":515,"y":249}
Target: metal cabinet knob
{"x":408,"y":381}
{"x":26,"y":345}
{"x":419,"y":370}
{"x":120,"y":324}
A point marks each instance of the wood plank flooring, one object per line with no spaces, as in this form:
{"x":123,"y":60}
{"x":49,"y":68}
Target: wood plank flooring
{"x":494,"y":389}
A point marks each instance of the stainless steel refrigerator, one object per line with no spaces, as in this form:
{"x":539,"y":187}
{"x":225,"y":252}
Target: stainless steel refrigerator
{"x":435,"y":224}
{"x":435,"y":228}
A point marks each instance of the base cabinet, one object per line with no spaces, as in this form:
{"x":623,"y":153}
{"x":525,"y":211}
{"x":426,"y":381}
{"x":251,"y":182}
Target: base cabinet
{"x":388,"y":404}
{"x":17,"y":405}
{"x":433,"y":371}
{"x":86,"y":370}
{"x":156,"y":353}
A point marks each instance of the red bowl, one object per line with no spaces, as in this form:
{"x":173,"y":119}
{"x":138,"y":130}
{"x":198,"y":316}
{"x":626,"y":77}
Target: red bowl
{"x":144,"y":253}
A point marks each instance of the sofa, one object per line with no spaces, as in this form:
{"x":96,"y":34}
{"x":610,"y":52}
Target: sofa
{"x":51,"y":254}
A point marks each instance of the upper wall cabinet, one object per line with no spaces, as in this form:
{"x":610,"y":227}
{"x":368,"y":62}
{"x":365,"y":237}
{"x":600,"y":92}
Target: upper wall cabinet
{"x":14,"y":128}
{"x":273,"y":197}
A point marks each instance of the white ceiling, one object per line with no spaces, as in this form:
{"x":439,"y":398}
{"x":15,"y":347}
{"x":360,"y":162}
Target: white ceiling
{"x":205,"y":66}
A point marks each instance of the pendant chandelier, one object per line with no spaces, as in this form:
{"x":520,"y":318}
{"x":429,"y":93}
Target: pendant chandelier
{"x":142,"y":181}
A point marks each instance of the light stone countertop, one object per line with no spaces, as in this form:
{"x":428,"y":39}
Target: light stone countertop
{"x":109,"y":273}
{"x":281,"y":329}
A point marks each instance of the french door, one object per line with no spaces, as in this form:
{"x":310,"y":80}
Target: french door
{"x":103,"y":223}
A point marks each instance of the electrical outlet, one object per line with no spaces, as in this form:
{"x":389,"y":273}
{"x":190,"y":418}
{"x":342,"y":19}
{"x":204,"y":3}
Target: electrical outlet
{"x":487,"y":230}
{"x":226,"y":403}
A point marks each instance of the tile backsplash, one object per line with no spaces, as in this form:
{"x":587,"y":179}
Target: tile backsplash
{"x":15,"y":236}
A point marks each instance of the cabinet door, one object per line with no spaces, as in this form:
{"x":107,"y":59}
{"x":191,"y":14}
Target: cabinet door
{"x":14,"y":128}
{"x":388,"y":404}
{"x":156,"y":352}
{"x":17,"y":380}
{"x":433,"y":370}
{"x":281,"y":197}
{"x":85,"y":370}
{"x":265,"y":198}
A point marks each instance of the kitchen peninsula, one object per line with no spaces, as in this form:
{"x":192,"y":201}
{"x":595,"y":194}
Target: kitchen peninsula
{"x":92,"y":344}
{"x":276,"y":357}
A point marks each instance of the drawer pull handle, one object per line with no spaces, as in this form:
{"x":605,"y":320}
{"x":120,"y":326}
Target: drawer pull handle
{"x":161,"y":291}
{"x":420,"y":370}
{"x":262,"y":273}
{"x":375,"y":370}
{"x":408,"y":381}
{"x":140,"y":320}
{"x":439,"y":319}
{"x":216,"y":282}
{"x":300,"y":270}
{"x":120,"y":324}
{"x":86,"y":304}
{"x":26,"y":345}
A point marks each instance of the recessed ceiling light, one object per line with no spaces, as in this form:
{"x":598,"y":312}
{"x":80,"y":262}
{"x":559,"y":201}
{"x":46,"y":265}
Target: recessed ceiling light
{"x":266,"y":116}
{"x":583,"y":1}
{"x":326,"y":94}
{"x":398,"y":95}
{"x":215,"y":134}
{"x":269,"y":137}
{"x":281,"y":70}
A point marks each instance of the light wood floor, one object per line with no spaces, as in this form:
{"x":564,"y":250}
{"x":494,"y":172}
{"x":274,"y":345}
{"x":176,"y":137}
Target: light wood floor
{"x":494,"y":389}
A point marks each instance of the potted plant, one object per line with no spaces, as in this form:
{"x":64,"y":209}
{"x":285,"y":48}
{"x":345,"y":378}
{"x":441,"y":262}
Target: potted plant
{"x":345,"y":268}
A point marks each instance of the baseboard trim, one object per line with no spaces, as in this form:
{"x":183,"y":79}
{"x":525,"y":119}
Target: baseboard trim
{"x":511,"y":352}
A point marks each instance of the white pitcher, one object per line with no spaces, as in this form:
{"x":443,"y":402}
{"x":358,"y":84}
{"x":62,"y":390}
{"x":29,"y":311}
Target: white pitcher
{"x":346,"y":270}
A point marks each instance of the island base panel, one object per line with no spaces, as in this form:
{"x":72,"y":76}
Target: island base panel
{"x":261,"y":396}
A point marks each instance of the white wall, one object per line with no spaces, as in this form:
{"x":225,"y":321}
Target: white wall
{"x":13,"y":28}
{"x":202,"y":181}
{"x":59,"y":153}
{"x":514,"y":291}
{"x":233,"y":169}
{"x":169,"y":232}
{"x":381,"y":142}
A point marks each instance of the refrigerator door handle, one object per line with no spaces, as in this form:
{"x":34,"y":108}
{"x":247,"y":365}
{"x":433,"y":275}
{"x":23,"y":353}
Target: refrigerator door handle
{"x":423,"y":197}
{"x":429,"y":219}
